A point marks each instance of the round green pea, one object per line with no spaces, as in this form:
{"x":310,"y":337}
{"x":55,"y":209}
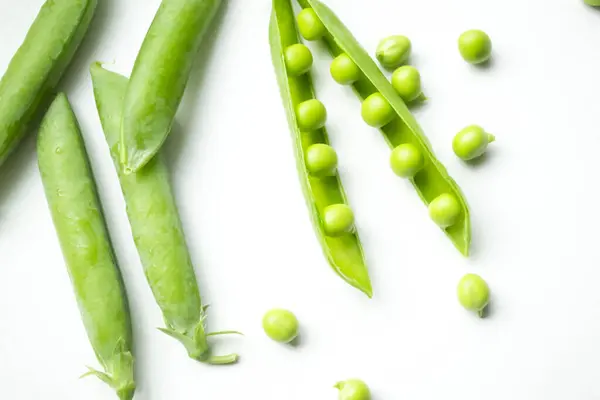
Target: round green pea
{"x":444,"y":210}
{"x":406,"y":160}
{"x":321,"y":160}
{"x":280,"y":325}
{"x":475,"y":46}
{"x":473,"y":293}
{"x":311,"y":115}
{"x":353,"y":389}
{"x":377,"y":111}
{"x":338,"y":220}
{"x":309,"y":25}
{"x":344,"y":71}
{"x":471,"y":142}
{"x":406,"y":80}
{"x":298,"y":59}
{"x":393,"y":51}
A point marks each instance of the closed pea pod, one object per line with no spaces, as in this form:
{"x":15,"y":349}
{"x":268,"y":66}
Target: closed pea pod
{"x":77,"y":215}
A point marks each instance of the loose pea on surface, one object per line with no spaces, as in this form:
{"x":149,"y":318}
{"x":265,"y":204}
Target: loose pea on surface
{"x":377,"y":111}
{"x":338,"y":220}
{"x":393,"y":51}
{"x":343,"y":70}
{"x":298,"y":59}
{"x":473,"y":293}
{"x":311,"y":115}
{"x":471,"y":142}
{"x":309,"y":25}
{"x":406,"y":160}
{"x":406,"y":80}
{"x":444,"y":210}
{"x":280,"y":325}
{"x":475,"y":46}
{"x":321,"y":160}
{"x":353,"y":389}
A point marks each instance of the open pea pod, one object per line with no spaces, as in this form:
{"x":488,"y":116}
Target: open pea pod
{"x":344,"y":253}
{"x":432,"y":180}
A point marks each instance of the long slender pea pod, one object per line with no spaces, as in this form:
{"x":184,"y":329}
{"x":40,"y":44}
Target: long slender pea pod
{"x":38,"y":65}
{"x":344,"y":253}
{"x":594,"y":3}
{"x":433,"y":179}
{"x":77,"y":215}
{"x":160,"y":75}
{"x":157,"y":230}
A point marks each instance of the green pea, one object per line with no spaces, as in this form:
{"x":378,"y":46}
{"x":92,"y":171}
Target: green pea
{"x":406,"y":80}
{"x":473,"y":293}
{"x":393,"y":51}
{"x":344,"y":71}
{"x":475,"y":46}
{"x":298,"y":59}
{"x":353,"y":389}
{"x":377,"y":111}
{"x":471,"y":142}
{"x":338,"y":220}
{"x":311,"y":115}
{"x":321,"y":160}
{"x":309,"y":25}
{"x":444,"y":210}
{"x":280,"y":325}
{"x":406,"y":160}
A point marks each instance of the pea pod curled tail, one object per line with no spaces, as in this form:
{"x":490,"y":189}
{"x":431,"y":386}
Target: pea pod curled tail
{"x":77,"y":215}
{"x":344,"y":253}
{"x":433,"y":179}
{"x":38,"y":65}
{"x":160,"y":75}
{"x":156,"y":229}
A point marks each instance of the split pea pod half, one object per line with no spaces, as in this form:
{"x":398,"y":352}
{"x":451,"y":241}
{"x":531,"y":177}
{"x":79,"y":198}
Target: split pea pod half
{"x":77,"y":215}
{"x":395,"y":122}
{"x":156,"y":229}
{"x":38,"y":65}
{"x":323,"y":192}
{"x":160,"y":75}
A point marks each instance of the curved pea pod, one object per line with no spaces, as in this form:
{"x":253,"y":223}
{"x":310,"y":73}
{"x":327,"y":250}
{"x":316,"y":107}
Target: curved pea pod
{"x":77,"y":215}
{"x":38,"y":65}
{"x":157,"y":230}
{"x":433,"y":179}
{"x":344,"y":253}
{"x":160,"y":75}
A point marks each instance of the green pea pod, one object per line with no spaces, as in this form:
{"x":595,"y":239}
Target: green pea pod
{"x":79,"y":222}
{"x":594,"y":3}
{"x":433,"y":179}
{"x":38,"y":65}
{"x":157,"y":229}
{"x":344,"y":253}
{"x":159,"y":77}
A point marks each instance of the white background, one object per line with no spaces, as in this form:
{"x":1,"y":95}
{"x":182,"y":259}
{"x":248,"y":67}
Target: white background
{"x":533,"y":200}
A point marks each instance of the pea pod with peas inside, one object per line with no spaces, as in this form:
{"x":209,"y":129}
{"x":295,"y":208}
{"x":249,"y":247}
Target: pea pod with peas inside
{"x":315,"y":159}
{"x":384,"y":109}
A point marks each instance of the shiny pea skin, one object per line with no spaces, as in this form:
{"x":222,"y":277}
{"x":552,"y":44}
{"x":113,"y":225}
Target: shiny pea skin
{"x":353,"y":389}
{"x":311,"y":115}
{"x":471,"y":142}
{"x":406,"y":160}
{"x":406,"y":80}
{"x":376,"y":110}
{"x":344,"y":71}
{"x":473,"y":293}
{"x":298,"y":59}
{"x":338,"y":220}
{"x":321,"y":160}
{"x":393,"y":51}
{"x":309,"y":25}
{"x":475,"y":46}
{"x":280,"y":325}
{"x":444,"y":210}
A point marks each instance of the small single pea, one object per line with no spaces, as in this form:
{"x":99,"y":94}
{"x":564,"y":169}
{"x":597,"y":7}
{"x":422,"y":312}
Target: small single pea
{"x":321,"y":160}
{"x":406,"y":160}
{"x":280,"y":325}
{"x":311,"y":115}
{"x":353,"y":389}
{"x":475,"y":46}
{"x":406,"y":80}
{"x":473,"y":293}
{"x":338,"y":220}
{"x":298,"y":59}
{"x":309,"y":25}
{"x":344,"y":71}
{"x":471,"y":142}
{"x":444,"y":210}
{"x":393,"y":51}
{"x":377,"y":111}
